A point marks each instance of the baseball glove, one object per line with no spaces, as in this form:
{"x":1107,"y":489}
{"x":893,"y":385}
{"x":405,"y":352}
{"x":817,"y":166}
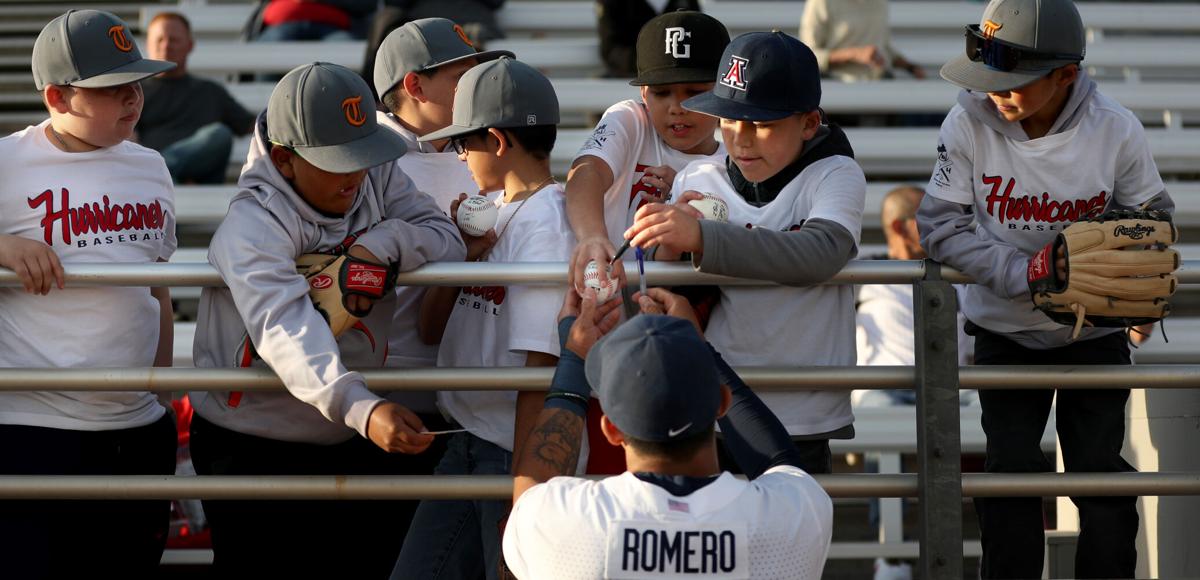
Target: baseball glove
{"x":331,"y":279}
{"x":1119,"y":270}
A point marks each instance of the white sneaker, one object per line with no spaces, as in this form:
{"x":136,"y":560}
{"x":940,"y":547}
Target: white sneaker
{"x":898,"y":571}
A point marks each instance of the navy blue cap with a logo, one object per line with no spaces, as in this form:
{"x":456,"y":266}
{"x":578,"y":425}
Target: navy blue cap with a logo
{"x":764,"y":76}
{"x":656,"y":379}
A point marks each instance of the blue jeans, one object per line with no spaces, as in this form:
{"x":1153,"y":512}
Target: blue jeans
{"x":458,"y":539}
{"x":202,"y":157}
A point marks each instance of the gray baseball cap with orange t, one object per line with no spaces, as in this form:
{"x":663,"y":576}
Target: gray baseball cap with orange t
{"x":324,"y":112}
{"x":90,"y":49}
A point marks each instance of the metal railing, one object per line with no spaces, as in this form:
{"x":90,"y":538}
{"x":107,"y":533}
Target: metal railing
{"x":936,"y":377}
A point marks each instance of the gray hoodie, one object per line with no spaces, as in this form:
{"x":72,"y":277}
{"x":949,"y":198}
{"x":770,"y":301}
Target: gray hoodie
{"x":996,"y":259}
{"x":255,"y":249}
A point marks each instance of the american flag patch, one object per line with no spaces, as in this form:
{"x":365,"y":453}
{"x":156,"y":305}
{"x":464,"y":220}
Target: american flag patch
{"x":678,"y":506}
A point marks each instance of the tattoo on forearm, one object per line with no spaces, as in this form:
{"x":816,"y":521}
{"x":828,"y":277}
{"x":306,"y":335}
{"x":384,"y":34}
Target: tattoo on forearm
{"x":555,"y":442}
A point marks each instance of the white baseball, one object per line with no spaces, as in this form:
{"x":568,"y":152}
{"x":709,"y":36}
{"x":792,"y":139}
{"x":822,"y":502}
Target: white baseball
{"x":606,"y":289}
{"x":712,"y":207}
{"x":477,"y":215}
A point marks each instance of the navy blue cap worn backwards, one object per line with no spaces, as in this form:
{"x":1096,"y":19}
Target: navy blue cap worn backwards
{"x":764,"y":76}
{"x":656,"y":379}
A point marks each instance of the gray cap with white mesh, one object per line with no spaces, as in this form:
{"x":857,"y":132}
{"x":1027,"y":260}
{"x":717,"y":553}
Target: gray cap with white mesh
{"x":503,"y":93}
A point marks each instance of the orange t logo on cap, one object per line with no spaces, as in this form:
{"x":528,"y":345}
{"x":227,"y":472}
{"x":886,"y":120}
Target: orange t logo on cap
{"x":989,"y":28}
{"x":463,"y":35}
{"x":353,"y":111}
{"x":117,"y":34}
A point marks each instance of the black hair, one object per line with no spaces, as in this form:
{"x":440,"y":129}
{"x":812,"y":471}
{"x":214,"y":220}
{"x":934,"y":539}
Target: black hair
{"x":537,"y":140}
{"x":678,"y":450}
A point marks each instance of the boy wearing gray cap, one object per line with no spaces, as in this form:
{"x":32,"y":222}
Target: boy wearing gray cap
{"x":75,"y":190}
{"x":416,"y":71}
{"x":795,"y":197}
{"x":505,"y":123}
{"x":1031,"y":147}
{"x":674,"y":513}
{"x":319,"y":180}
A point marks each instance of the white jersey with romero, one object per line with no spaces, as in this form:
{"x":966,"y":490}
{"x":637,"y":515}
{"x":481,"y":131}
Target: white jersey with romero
{"x":809,"y":326}
{"x":776,"y":526}
{"x":1024,"y":193}
{"x":498,"y":326}
{"x":625,"y":139}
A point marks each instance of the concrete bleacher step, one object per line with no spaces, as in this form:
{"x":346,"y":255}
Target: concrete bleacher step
{"x":540,"y":16}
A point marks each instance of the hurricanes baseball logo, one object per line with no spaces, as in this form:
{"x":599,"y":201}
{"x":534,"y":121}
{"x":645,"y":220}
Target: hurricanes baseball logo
{"x":735,"y":77}
{"x":989,"y":28}
{"x":462,"y":35}
{"x":353,"y":110}
{"x":117,"y":34}
{"x":674,"y":42}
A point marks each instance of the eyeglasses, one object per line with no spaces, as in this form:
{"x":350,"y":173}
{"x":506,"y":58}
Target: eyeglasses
{"x":1004,"y":56}
{"x":459,"y":143}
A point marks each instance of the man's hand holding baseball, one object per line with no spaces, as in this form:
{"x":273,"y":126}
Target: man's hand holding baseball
{"x":593,"y":322}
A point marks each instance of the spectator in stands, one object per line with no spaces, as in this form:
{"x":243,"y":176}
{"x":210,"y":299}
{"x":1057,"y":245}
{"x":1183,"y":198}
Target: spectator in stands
{"x":1030,"y":130}
{"x":619,"y":23}
{"x":885,"y":311}
{"x":632,"y":155}
{"x":417,"y":70}
{"x":61,"y":177}
{"x":320,"y":182}
{"x":284,"y":20}
{"x":189,"y":120}
{"x":505,"y":123}
{"x":795,"y":200}
{"x":852,"y":40}
{"x":477,"y":19}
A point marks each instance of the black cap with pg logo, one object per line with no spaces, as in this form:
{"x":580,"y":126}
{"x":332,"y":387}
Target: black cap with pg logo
{"x":90,"y":49}
{"x":324,"y":113}
{"x":679,"y":47}
{"x":764,"y":76}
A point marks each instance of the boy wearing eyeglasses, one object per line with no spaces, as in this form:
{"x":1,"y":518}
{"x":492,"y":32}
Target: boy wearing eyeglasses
{"x":505,"y":123}
{"x":1031,"y":147}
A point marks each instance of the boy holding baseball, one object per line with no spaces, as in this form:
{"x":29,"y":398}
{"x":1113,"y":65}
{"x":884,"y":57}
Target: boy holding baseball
{"x":320,"y":185}
{"x":504,"y":127}
{"x":795,"y":199}
{"x":633,"y":154}
{"x":76,"y":190}
{"x":1031,"y":147}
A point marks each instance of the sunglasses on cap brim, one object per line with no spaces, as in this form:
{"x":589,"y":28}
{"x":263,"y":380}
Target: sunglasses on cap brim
{"x":1003,"y":56}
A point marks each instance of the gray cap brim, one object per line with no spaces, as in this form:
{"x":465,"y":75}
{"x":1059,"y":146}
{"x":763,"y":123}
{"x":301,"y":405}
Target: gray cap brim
{"x":382,"y":146}
{"x":123,"y":75}
{"x":672,"y":75}
{"x":448,"y":132}
{"x":976,"y":76}
{"x":481,"y":58}
{"x":713,"y":105}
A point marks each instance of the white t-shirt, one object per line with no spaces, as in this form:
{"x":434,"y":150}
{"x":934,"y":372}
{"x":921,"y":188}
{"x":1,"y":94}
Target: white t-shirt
{"x":442,"y":176}
{"x":810,"y":326}
{"x":626,"y":140}
{"x":497,"y":326}
{"x":1025,"y":192}
{"x":776,"y":526}
{"x":115,"y":204}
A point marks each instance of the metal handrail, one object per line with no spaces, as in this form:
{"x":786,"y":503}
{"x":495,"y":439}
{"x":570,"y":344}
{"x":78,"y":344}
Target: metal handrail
{"x":532,"y":273}
{"x":831,"y":378}
{"x":364,"y":487}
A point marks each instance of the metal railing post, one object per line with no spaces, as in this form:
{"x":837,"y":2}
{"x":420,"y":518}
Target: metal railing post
{"x":938,"y":445}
